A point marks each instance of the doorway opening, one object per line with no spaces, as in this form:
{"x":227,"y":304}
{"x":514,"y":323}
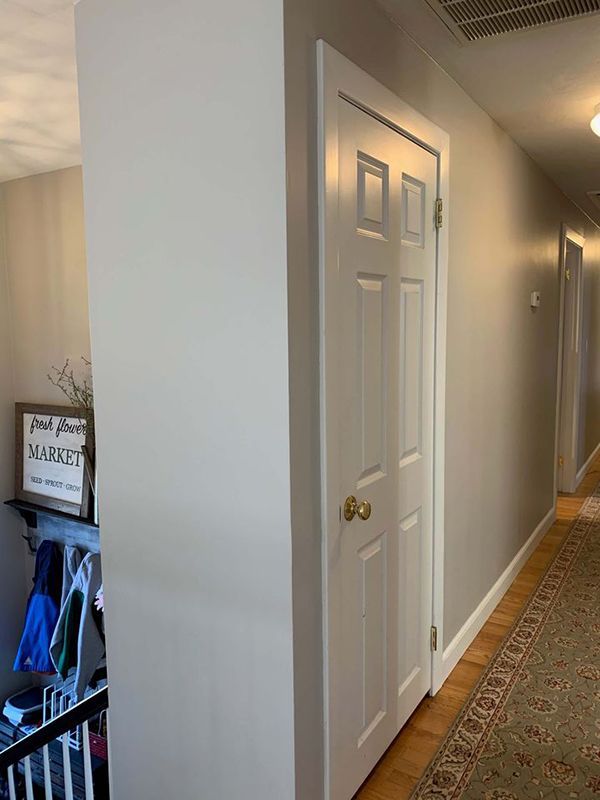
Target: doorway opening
{"x":570,"y":430}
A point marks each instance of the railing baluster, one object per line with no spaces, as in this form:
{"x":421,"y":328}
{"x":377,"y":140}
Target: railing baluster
{"x":47,"y":774}
{"x":53,"y":729}
{"x":87,"y":762}
{"x":66,"y":750}
{"x":12,"y":792}
{"x":40,"y":741}
{"x":28,"y":781}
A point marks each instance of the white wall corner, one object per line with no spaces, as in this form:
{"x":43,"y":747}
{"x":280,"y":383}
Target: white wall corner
{"x":582,"y":472}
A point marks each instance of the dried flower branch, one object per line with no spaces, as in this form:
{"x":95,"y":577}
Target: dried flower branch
{"x":80,"y":393}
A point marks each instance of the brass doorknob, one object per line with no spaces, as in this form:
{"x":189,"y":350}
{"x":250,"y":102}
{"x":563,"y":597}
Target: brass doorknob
{"x":352,"y":507}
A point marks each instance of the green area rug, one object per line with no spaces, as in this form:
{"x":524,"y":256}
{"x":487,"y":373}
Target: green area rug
{"x":531,"y":728}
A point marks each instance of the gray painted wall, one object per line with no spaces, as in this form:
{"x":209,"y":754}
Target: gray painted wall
{"x":182,"y":111}
{"x":582,"y":455}
{"x":591,"y":399}
{"x":505,"y":218}
{"x":12,"y":560}
{"x":47,"y":278}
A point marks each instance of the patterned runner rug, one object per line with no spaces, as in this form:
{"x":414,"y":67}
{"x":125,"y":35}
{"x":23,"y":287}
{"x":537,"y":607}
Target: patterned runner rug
{"x":531,"y":728}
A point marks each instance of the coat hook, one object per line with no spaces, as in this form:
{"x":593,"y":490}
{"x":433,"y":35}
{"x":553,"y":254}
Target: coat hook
{"x":30,"y":544}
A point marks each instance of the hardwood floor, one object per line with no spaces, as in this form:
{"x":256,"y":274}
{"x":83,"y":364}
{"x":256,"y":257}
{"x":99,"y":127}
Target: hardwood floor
{"x":405,"y":761}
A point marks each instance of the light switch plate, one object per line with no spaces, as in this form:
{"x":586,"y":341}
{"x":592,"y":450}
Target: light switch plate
{"x":536,"y":299}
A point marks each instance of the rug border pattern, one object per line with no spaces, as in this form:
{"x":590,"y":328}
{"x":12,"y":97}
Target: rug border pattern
{"x":492,"y":691}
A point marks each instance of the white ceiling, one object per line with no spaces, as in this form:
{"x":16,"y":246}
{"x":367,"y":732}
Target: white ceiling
{"x":540,"y":85}
{"x":39,"y":116}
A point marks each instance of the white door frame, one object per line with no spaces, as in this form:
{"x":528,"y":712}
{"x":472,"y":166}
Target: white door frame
{"x":567,"y":235}
{"x":339,"y":77}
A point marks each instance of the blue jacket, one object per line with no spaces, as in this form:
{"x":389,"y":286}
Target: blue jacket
{"x":43,"y":608}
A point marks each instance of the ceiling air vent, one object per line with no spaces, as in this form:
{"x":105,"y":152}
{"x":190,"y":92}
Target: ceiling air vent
{"x":595,"y":198}
{"x":480,"y":19}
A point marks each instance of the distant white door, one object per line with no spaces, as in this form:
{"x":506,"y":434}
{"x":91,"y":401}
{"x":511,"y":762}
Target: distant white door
{"x":380,"y":565}
{"x":568,"y":435}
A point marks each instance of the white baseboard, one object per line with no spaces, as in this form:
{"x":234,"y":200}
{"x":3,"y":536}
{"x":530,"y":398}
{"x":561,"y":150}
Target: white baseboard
{"x":581,"y":473}
{"x":458,"y":646}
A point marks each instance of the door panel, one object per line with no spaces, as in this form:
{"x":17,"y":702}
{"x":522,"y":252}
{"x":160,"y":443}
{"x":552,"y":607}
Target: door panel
{"x":372,"y":198}
{"x":380,"y":568}
{"x":374,"y":568}
{"x":409,"y":652}
{"x":372,"y":371}
{"x":413,"y":211}
{"x":411,"y":370}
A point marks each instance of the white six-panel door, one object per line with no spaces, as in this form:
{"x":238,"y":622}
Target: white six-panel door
{"x":380,"y":565}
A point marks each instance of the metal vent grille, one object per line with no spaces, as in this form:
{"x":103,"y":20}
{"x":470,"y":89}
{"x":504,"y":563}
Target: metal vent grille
{"x":480,"y":19}
{"x":595,"y":198}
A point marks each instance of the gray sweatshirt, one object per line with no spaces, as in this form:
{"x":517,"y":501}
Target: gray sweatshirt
{"x":71,"y":564}
{"x":78,"y":641}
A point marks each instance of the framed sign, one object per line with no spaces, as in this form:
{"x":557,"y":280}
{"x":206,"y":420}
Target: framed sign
{"x":50,"y":463}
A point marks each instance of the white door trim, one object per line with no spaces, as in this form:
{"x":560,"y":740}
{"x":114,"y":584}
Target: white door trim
{"x":566,"y":234}
{"x":339,"y":77}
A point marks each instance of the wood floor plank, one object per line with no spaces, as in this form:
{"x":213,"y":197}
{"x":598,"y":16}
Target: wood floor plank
{"x":409,"y":754}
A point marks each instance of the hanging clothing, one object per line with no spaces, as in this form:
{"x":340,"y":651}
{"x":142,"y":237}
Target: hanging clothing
{"x":42,"y":613}
{"x":78,"y":641}
{"x":71,"y":564}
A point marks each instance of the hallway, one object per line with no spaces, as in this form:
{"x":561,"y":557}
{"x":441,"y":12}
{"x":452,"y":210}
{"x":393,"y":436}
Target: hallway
{"x":331,"y":272}
{"x":406,"y":760}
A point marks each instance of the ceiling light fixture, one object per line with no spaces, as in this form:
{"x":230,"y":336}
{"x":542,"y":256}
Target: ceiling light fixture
{"x":595,"y":123}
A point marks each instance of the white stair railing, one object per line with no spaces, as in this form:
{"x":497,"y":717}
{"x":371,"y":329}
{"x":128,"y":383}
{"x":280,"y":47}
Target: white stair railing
{"x":56,"y":729}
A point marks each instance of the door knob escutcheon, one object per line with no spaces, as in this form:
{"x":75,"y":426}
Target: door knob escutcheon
{"x":352,"y":507}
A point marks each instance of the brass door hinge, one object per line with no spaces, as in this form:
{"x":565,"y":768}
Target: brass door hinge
{"x":568,"y":274}
{"x":439,"y":212}
{"x":561,"y":461}
{"x":433,"y":638}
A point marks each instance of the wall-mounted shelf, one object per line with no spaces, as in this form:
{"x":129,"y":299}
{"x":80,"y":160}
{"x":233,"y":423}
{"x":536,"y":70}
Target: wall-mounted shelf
{"x":45,"y":523}
{"x":30,"y":511}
